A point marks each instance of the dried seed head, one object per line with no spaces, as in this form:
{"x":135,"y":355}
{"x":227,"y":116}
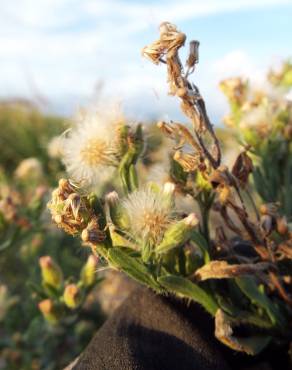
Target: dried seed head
{"x":70,"y":211}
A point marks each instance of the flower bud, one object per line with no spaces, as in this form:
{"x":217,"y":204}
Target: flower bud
{"x":193,"y":57}
{"x":178,"y":233}
{"x":88,"y":272}
{"x":51,"y":272}
{"x":72,"y":296}
{"x":49,"y":311}
{"x":115,"y":213}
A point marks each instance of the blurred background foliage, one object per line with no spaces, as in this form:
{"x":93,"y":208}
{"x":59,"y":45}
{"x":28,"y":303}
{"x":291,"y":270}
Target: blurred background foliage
{"x":28,"y":170}
{"x":261,"y":120}
{"x":37,"y":328}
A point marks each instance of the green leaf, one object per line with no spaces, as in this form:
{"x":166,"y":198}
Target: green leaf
{"x":249,"y":287}
{"x":132,"y":267}
{"x":201,"y":242}
{"x":185,"y":288}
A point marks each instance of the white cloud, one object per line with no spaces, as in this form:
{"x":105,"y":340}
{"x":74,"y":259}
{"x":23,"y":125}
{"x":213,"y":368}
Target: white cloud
{"x":239,"y":63}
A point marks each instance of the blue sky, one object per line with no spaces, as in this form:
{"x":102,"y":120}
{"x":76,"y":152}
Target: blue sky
{"x":62,"y":51}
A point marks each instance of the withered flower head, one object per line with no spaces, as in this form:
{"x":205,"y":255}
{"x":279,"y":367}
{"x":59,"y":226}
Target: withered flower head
{"x":70,"y":210}
{"x":242,"y":168}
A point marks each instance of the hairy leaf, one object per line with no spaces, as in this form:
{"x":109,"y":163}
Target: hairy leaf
{"x":133,"y":267}
{"x":185,"y":288}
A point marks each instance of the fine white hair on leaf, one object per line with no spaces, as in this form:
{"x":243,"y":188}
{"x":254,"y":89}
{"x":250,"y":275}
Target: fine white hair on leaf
{"x":150,"y":213}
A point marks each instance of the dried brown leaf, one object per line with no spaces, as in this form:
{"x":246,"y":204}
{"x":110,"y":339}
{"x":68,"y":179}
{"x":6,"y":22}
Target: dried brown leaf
{"x":224,"y":332}
{"x":242,"y":168}
{"x":223,"y":270}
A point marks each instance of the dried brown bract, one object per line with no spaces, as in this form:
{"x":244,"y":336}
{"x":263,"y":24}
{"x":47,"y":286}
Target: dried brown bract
{"x":70,"y":211}
{"x":192,"y":103}
{"x":242,"y":168}
{"x":223,"y":270}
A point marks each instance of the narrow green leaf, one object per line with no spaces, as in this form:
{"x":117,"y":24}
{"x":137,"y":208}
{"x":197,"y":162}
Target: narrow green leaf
{"x":249,"y":287}
{"x":201,"y":242}
{"x":185,"y":288}
{"x":132,"y":267}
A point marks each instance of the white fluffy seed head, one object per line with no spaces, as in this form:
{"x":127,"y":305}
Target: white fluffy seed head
{"x":150,"y":213}
{"x":91,"y":148}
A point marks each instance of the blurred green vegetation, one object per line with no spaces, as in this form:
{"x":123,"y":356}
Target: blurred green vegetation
{"x":261,"y":119}
{"x":27,"y":173}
